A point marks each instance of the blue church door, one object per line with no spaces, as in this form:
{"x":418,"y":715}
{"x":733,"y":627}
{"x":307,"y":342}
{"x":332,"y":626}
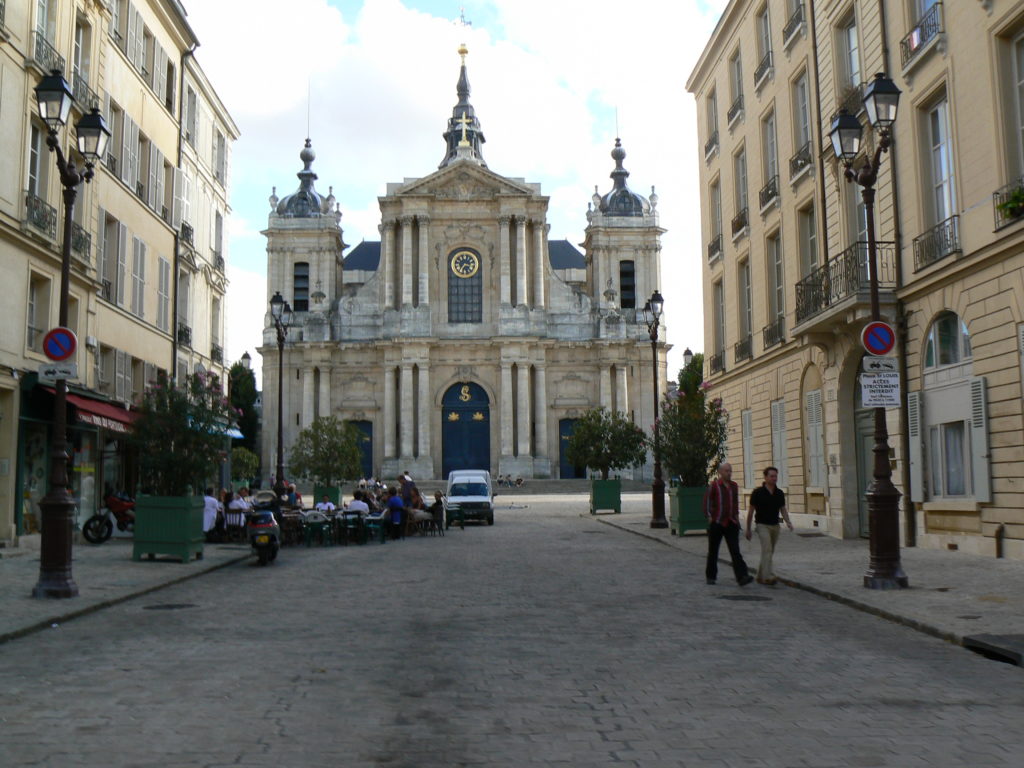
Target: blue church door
{"x":565,"y":467}
{"x":366,"y":446}
{"x":465,"y":428}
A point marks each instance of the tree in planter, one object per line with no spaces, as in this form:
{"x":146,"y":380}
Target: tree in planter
{"x":327,"y":451}
{"x":244,"y":464}
{"x":692,"y":430}
{"x":605,"y":440}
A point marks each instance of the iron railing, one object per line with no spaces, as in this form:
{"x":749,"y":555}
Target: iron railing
{"x":111,"y":162}
{"x":774,"y":333}
{"x":107,"y":290}
{"x":927,"y":29}
{"x":165,"y":214}
{"x":34,"y":337}
{"x":739,"y":221}
{"x":187,"y":233}
{"x":81,"y":242}
{"x":762,"y":69}
{"x":743,"y":349}
{"x":1008,"y":203}
{"x":217,"y":353}
{"x":802,"y":159}
{"x":769,"y":192}
{"x":716,"y":363}
{"x":735,"y":109}
{"x":85,"y":97}
{"x":796,"y":20}
{"x":3,"y":12}
{"x":218,"y":261}
{"x":45,"y":55}
{"x":140,"y":191}
{"x":715,"y":247}
{"x":937,"y":243}
{"x":184,"y":335}
{"x":40,"y":215}
{"x":711,"y":145}
{"x":843,"y":276}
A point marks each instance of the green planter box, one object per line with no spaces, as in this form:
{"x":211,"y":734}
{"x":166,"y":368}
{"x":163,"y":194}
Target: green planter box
{"x":169,"y":525}
{"x":333,"y":492}
{"x":686,"y":511}
{"x":606,"y":494}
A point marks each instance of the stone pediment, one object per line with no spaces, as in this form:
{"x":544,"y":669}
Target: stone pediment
{"x":465,"y":181}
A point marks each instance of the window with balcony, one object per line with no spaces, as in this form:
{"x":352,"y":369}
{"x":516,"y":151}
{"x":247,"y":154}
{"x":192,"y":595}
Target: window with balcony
{"x":807,"y":232}
{"x":138,"y":277}
{"x":191,"y":116}
{"x":926,"y":30}
{"x":46,"y":19}
{"x":769,"y":162}
{"x":773,"y":333}
{"x":764,"y":47}
{"x":37,"y":166}
{"x":740,"y":221}
{"x":743,"y":349}
{"x":856,"y":214}
{"x":37,"y":320}
{"x":220,"y":169}
{"x":119,"y":12}
{"x":113,"y":254}
{"x":115,"y":146}
{"x":717,"y":362}
{"x":794,"y":23}
{"x":184,"y":305}
{"x":942,"y":238}
{"x":711,"y":112}
{"x":849,"y":51}
{"x":802,"y":158}
{"x":80,"y":60}
{"x":715,"y":201}
{"x":736,"y":87}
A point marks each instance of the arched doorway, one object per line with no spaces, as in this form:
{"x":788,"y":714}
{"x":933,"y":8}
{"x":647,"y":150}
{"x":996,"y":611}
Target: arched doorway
{"x":565,"y":467}
{"x":465,"y":428}
{"x":365,"y":446}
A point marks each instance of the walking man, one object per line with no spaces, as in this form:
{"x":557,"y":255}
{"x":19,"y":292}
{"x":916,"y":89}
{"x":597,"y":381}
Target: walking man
{"x":766,"y":504}
{"x":722,"y":509}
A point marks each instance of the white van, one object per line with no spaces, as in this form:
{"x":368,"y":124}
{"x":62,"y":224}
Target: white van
{"x":470,"y":496}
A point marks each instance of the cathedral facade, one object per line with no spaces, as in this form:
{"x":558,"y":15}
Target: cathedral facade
{"x":464,"y":338}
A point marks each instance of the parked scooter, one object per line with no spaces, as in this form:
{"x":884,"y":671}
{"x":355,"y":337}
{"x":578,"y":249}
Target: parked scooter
{"x":264,"y":534}
{"x":100,"y":527}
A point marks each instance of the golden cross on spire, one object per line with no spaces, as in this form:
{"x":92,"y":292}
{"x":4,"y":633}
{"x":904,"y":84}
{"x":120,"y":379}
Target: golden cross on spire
{"x":464,"y":121}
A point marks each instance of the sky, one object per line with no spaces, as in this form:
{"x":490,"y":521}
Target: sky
{"x":372,"y":83}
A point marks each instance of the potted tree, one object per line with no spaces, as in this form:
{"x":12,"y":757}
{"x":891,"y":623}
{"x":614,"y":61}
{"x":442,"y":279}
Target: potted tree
{"x":691,"y":434}
{"x":606,"y":440}
{"x":179,"y":434}
{"x":1012,"y":204}
{"x":245,"y":465}
{"x":326,"y":452}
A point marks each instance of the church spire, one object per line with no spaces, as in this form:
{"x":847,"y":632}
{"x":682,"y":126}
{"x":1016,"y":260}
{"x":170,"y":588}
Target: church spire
{"x":305,"y":202}
{"x":622,"y":201}
{"x":464,"y":136}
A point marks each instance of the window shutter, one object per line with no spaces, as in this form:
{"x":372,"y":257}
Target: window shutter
{"x":126,"y":137}
{"x":140,"y":43}
{"x":915,"y":432}
{"x":156,"y":165}
{"x":137,"y":276}
{"x":778,"y":415}
{"x":122,"y":256}
{"x":149,"y":373}
{"x":979,"y":440}
{"x":186,"y":198}
{"x":748,"y":448}
{"x":177,"y":184}
{"x":101,"y":243}
{"x":815,"y":440}
{"x":129,"y":47}
{"x":158,"y":200}
{"x":159,"y":73}
{"x":120,"y":375}
{"x":134,"y":147}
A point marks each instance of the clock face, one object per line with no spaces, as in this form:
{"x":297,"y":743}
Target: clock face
{"x":465,"y":263}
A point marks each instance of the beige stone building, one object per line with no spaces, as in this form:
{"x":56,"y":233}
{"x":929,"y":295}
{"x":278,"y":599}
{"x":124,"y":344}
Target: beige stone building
{"x":464,"y":338}
{"x":147,"y":270}
{"x":786,"y":285}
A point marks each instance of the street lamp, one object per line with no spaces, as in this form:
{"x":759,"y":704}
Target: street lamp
{"x":652,"y":316}
{"x":53,"y":97}
{"x":687,"y":357}
{"x":281,"y":313}
{"x":880,"y":101}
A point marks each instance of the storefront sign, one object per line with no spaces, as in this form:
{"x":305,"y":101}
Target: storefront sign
{"x":111,"y":425}
{"x":880,"y":390}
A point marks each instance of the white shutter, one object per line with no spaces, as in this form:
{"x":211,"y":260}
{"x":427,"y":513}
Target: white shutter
{"x":159,"y":195}
{"x":159,"y":73}
{"x":186,"y":199}
{"x":133,"y":146}
{"x":126,"y":137}
{"x":747,"y":420}
{"x":122,"y":256}
{"x":177,"y":184}
{"x":138,"y":274}
{"x":149,"y":374}
{"x":915,"y":433}
{"x":156,"y":165}
{"x":121,"y":364}
{"x":779,"y":439}
{"x":129,"y":47}
{"x":815,"y":458}
{"x":101,"y":243}
{"x":140,"y":43}
{"x":979,"y":440}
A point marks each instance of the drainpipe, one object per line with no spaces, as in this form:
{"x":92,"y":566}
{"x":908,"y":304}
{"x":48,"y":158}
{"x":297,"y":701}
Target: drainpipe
{"x":817,"y":108}
{"x":177,"y":233}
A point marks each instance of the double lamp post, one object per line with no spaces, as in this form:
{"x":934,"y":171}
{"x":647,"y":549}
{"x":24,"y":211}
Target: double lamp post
{"x":652,"y":317}
{"x":281,"y":313}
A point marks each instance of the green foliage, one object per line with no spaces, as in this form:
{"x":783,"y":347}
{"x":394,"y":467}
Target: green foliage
{"x":1012,"y":205}
{"x":605,"y":440}
{"x":244,"y":464}
{"x":692,"y":430}
{"x":243,"y":395}
{"x":179,"y":434}
{"x":326,"y":451}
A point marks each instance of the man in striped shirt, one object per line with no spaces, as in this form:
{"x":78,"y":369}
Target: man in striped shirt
{"x":722,"y":509}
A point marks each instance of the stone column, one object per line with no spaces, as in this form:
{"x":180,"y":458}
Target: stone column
{"x":539,"y":257}
{"x":424,"y":289}
{"x":424,"y":411}
{"x":520,"y":261}
{"x":389,"y":411}
{"x":540,"y":399}
{"x":307,"y":397}
{"x":504,"y":260}
{"x":408,"y":404}
{"x":325,"y":392}
{"x":506,"y":409}
{"x":406,"y":222}
{"x":387,"y":258}
{"x":523,"y":409}
{"x":620,"y":389}
{"x":606,"y":387}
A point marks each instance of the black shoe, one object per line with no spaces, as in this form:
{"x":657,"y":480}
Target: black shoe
{"x":746,"y":580}
{"x":711,"y":582}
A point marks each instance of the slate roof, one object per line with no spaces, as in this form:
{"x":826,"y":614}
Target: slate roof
{"x":562,"y":254}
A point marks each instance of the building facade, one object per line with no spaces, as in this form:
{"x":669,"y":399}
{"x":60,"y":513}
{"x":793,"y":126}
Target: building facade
{"x":147,"y":269}
{"x":786,"y":284}
{"x":464,"y":337}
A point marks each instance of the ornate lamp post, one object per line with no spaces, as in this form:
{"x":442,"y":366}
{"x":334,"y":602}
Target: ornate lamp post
{"x":53,"y":97}
{"x":652,"y":316}
{"x":281,"y":313}
{"x":880,"y":100}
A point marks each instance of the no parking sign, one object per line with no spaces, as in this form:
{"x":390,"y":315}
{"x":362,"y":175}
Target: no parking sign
{"x":60,"y":344}
{"x":878,"y":338}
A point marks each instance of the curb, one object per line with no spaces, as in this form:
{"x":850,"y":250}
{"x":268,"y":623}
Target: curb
{"x":70,"y":615}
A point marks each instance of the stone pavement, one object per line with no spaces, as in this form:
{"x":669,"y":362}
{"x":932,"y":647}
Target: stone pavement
{"x":962,"y":598}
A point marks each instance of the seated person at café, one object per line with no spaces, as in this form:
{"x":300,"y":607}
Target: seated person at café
{"x":396,"y":508}
{"x":325,"y":505}
{"x":419,"y":508}
{"x":357,"y":505}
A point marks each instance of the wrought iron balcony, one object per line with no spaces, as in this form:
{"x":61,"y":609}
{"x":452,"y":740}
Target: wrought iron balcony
{"x":843,"y":280}
{"x":801,"y":160}
{"x":937,"y":243}
{"x":140,"y":191}
{"x":735,"y":110}
{"x":111,"y":162}
{"x":743,"y":349}
{"x":716,"y":363}
{"x":928,"y":28}
{"x":40,"y":215}
{"x":715,"y":247}
{"x":796,"y":21}
{"x":3,"y":14}
{"x":774,"y":333}
{"x":217,"y":353}
{"x":184,"y":335}
{"x":1008,"y":203}
{"x":763,"y":69}
{"x":165,"y":214}
{"x":187,"y":233}
{"x":218,"y":261}
{"x":769,"y":192}
{"x":711,"y":145}
{"x":107,"y":290}
{"x":739,"y":222}
{"x":44,"y":55}
{"x":85,"y":97}
{"x":81,"y":243}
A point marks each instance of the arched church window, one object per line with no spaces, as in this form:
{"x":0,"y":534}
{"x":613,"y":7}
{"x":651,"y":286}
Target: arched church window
{"x":948,"y":342}
{"x":465,"y":287}
{"x":300,"y":287}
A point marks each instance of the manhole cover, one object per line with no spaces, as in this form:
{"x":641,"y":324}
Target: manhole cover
{"x":746,"y":598}
{"x":168,"y":606}
{"x":810,"y":535}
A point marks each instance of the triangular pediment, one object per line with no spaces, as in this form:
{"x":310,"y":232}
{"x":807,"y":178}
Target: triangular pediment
{"x":465,"y":181}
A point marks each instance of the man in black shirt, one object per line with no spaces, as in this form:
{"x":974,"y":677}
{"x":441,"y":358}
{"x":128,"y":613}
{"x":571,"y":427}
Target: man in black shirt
{"x":766,"y":504}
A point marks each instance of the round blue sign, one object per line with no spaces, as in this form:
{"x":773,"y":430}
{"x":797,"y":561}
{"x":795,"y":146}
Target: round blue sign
{"x":60,"y":344}
{"x":878,"y":338}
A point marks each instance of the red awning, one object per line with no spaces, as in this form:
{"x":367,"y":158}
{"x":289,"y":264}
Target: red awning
{"x":105,"y":415}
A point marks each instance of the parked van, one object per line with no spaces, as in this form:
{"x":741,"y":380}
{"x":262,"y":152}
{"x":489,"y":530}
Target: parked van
{"x":470,"y":496}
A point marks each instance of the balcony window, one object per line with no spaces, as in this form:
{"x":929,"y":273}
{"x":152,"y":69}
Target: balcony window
{"x":794,"y":25}
{"x":927,"y":29}
{"x":842,"y":277}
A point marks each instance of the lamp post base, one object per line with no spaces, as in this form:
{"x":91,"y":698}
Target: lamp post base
{"x":884,"y":569}
{"x":55,"y":578}
{"x":658,"y":519}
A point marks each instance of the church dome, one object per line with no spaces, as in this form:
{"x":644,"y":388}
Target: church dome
{"x":622,"y":201}
{"x":305,"y":202}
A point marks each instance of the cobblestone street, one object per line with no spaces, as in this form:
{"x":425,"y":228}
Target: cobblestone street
{"x":548,"y":639}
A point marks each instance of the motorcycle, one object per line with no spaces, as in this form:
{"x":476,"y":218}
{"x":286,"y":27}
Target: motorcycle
{"x":100,"y":527}
{"x":264,"y":535}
